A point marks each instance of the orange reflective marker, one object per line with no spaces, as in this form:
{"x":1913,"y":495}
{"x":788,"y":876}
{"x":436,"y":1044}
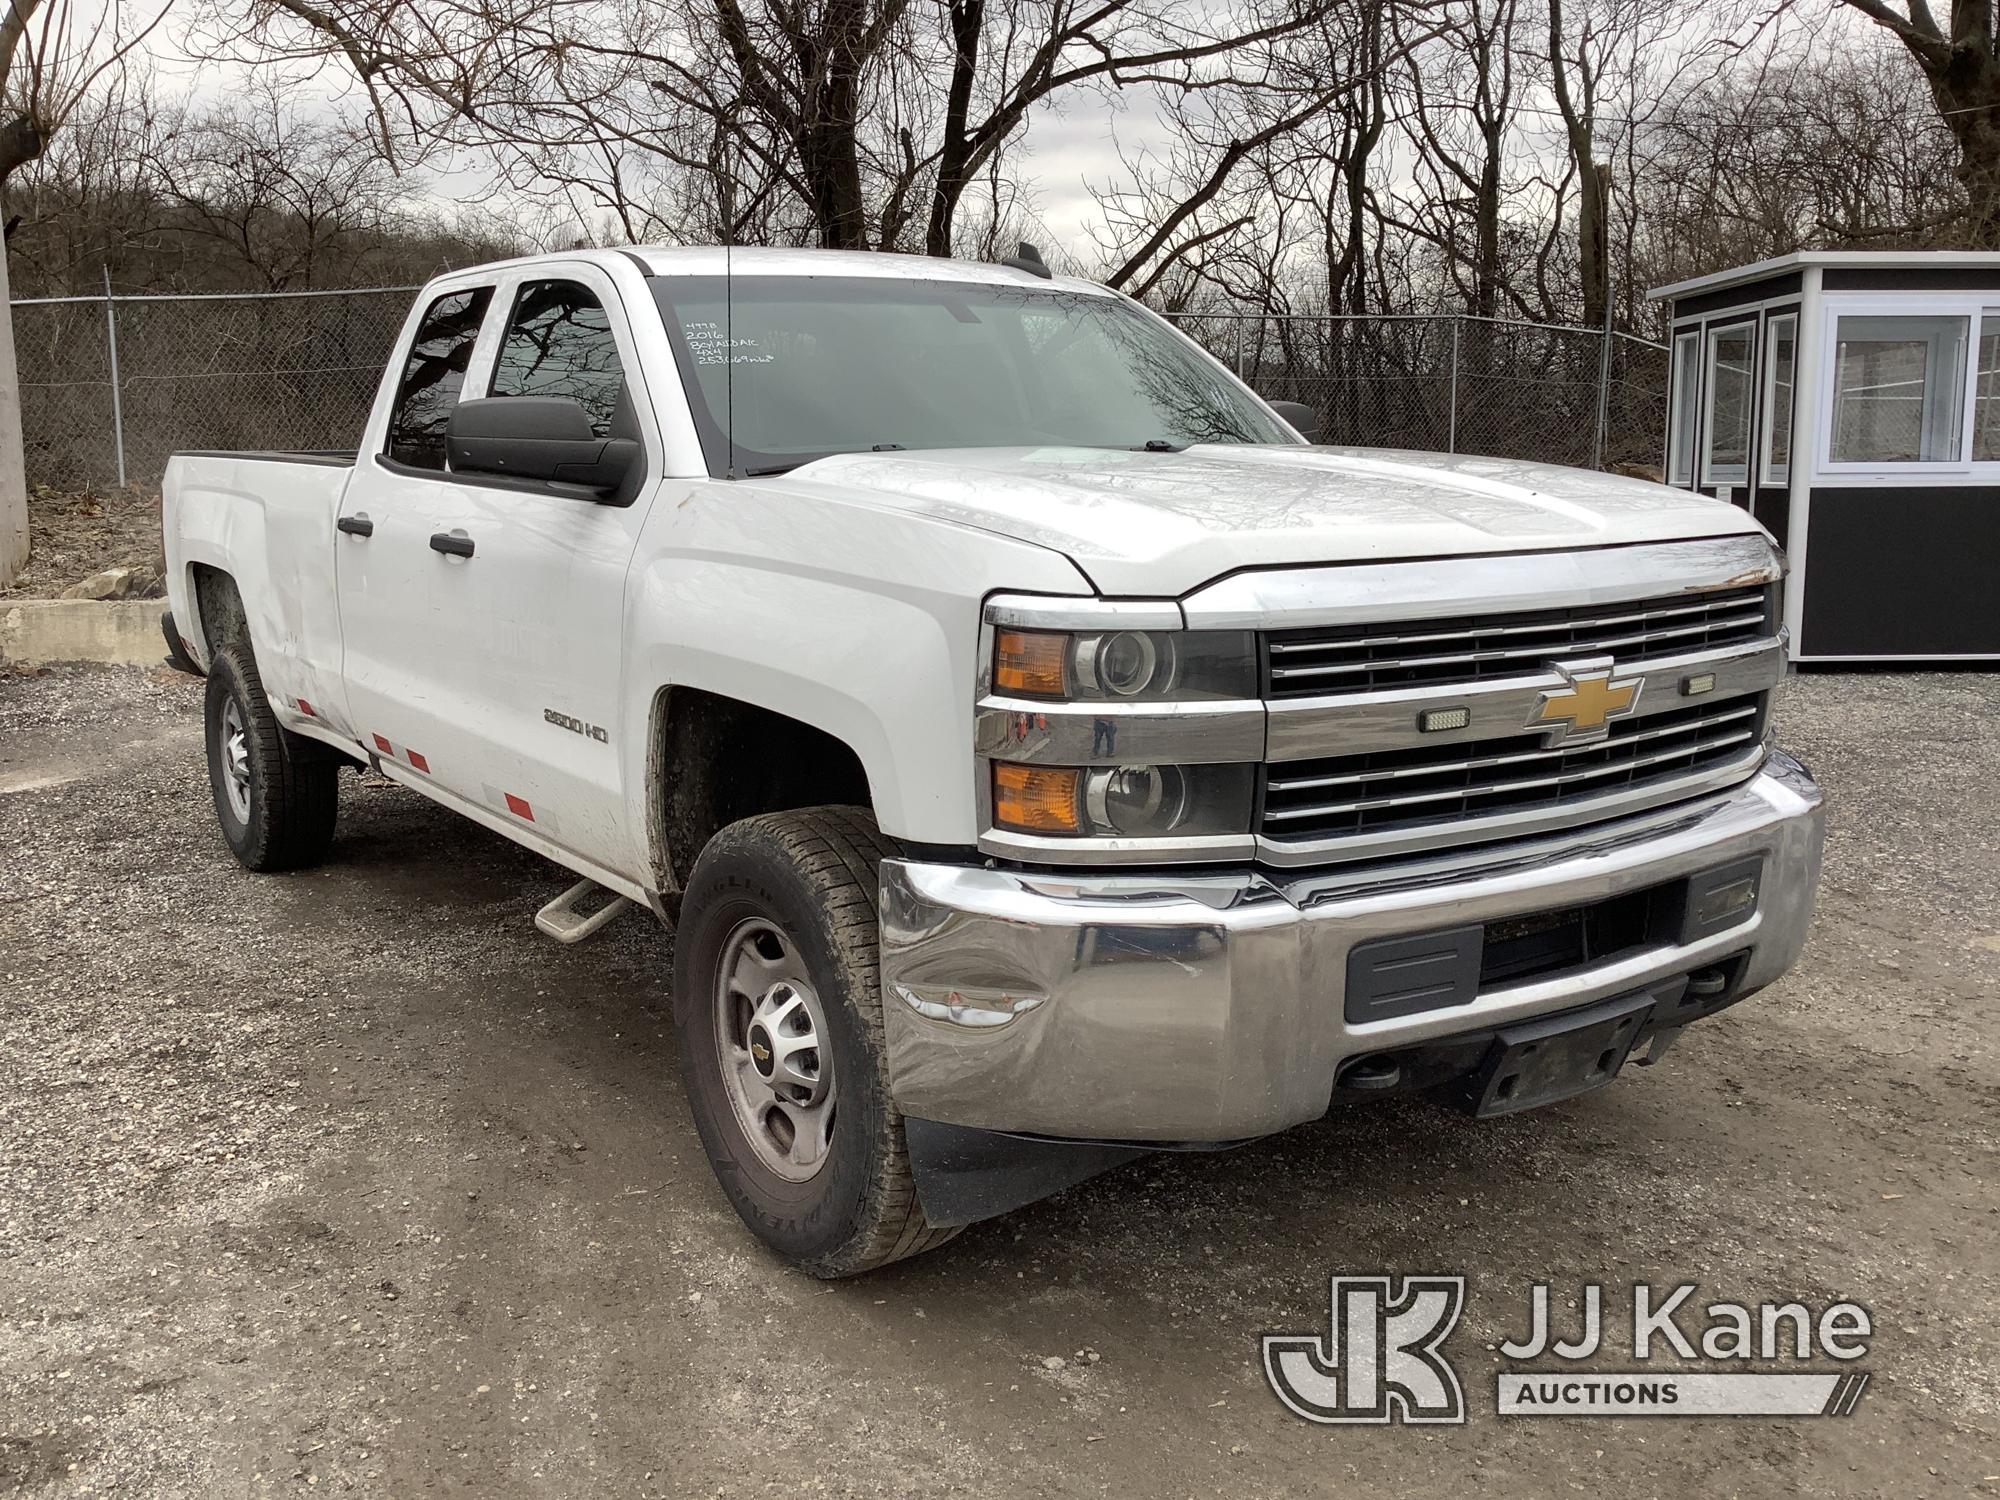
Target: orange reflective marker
{"x":1036,"y":799}
{"x":1029,"y":661}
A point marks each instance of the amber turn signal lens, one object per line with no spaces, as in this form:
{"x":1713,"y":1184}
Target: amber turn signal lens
{"x":1036,"y":799}
{"x":1029,"y":661}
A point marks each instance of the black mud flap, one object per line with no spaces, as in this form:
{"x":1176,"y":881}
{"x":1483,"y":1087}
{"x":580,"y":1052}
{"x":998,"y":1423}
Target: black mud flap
{"x":965,"y":1175}
{"x":177,"y":656}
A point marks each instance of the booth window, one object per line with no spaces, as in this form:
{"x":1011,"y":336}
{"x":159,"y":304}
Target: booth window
{"x":1986,"y":394}
{"x":1780,"y":383}
{"x":1730,"y":387}
{"x":1680,"y":447}
{"x":1898,"y":390}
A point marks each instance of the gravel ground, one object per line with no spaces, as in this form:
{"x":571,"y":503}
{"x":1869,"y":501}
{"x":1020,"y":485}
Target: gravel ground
{"x":349,"y":1181}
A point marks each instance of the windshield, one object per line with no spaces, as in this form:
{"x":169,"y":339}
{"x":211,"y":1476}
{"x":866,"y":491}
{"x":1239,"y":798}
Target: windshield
{"x":857,"y":364}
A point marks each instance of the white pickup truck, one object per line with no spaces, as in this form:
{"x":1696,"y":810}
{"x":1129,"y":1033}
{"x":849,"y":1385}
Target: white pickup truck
{"x":1044,"y":754}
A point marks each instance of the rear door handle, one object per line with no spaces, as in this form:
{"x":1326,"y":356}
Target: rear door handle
{"x":355,"y":525}
{"x":451,"y":544}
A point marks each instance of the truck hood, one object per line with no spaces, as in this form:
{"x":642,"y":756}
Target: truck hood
{"x":1162,"y":524}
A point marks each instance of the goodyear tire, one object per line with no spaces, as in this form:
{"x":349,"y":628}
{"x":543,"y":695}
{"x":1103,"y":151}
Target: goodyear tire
{"x":276,"y":795}
{"x":778,"y":1005}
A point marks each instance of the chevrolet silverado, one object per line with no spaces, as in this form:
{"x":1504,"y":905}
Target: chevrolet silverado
{"x":1044,"y":753}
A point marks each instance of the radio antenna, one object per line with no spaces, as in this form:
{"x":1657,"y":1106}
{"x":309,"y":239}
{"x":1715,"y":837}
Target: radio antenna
{"x":729,"y":345}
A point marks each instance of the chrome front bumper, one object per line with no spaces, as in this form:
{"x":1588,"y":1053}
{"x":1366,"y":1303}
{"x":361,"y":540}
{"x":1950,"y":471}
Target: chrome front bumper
{"x":1204,"y":1008}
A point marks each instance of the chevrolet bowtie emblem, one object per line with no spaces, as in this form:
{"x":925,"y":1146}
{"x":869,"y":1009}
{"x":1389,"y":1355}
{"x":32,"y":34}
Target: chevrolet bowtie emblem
{"x":1583,"y":710}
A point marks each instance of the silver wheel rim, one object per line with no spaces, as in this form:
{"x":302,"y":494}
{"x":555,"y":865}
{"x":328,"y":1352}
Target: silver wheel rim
{"x":236,"y":761}
{"x":777,"y":1061}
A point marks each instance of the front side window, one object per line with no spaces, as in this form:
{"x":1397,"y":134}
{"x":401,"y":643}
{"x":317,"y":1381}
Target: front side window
{"x":433,"y":375}
{"x":559,"y":343}
{"x":782,"y":370}
{"x":1898,"y":389}
{"x":1986,"y":395}
{"x":1680,"y":441}
{"x":1730,"y":351}
{"x":1781,"y":381}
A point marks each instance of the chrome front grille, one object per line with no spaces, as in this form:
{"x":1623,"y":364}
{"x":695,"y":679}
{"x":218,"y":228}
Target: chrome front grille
{"x":1425,"y":786}
{"x":1423,"y":714}
{"x":1360,"y":658}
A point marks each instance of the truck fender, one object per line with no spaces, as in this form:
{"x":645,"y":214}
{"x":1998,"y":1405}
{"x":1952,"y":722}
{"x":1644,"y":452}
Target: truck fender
{"x":862,"y":624}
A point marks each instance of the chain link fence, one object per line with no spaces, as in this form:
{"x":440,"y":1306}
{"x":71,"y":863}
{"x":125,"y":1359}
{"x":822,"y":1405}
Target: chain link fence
{"x":1457,"y":384}
{"x":111,"y":386}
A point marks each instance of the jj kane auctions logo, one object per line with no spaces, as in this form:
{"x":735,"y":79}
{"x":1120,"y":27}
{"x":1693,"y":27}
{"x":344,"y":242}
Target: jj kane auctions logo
{"x":1383,"y":1359}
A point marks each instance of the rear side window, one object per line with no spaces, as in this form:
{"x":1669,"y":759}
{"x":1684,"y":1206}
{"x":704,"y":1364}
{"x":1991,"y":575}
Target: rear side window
{"x":433,"y":375}
{"x":559,"y":343}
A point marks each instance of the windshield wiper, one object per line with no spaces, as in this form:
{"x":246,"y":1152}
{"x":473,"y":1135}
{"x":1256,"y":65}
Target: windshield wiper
{"x":769,"y":469}
{"x":1159,"y":445}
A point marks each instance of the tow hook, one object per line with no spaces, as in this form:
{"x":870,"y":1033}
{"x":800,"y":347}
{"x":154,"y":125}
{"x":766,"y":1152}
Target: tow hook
{"x":1370,"y":1074}
{"x":1708,"y":984}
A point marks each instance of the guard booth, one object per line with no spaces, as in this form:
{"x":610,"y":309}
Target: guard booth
{"x":1850,"y":399}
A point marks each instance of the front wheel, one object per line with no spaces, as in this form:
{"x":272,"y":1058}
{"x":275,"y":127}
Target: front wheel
{"x":276,"y":795}
{"x":778,"y":1004}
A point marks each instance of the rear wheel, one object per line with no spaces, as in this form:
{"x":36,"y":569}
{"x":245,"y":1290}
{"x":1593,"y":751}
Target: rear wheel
{"x":778,"y":1004}
{"x":277,"y":795}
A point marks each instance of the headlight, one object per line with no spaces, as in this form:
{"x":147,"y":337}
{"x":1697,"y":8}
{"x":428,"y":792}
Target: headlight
{"x":1126,"y":664}
{"x":1134,"y":799}
{"x":1122,"y":801}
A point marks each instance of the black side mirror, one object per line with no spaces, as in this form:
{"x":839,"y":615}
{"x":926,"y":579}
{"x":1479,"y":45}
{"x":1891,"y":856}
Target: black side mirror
{"x":1301,"y":416}
{"x":537,"y":437}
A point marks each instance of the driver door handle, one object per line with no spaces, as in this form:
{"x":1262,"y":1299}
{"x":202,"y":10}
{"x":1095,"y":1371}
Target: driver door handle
{"x":453,"y":546}
{"x":355,"y":525}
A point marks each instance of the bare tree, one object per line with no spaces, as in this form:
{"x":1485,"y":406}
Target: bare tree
{"x":1962,"y":66}
{"x":1178,"y":213}
{"x":1278,"y":139}
{"x":286,"y":194}
{"x":848,"y":124}
{"x":1462,"y":110}
{"x":1612,"y":65}
{"x":253,"y":190}
{"x":1577,"y":99}
{"x":87,"y":200}
{"x":1803,"y":151}
{"x":1346,"y":207}
{"x":1000,"y":72}
{"x":51,"y":53}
